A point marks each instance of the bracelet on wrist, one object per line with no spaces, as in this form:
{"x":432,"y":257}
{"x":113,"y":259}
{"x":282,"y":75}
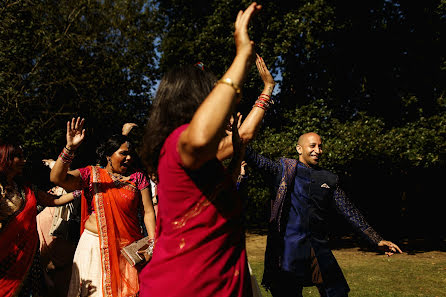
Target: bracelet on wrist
{"x":77,"y":194}
{"x":149,"y":250}
{"x":66,"y":156}
{"x":263,"y":104}
{"x":229,"y":82}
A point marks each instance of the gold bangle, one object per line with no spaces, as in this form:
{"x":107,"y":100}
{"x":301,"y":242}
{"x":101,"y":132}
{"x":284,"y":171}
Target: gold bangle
{"x":229,"y":82}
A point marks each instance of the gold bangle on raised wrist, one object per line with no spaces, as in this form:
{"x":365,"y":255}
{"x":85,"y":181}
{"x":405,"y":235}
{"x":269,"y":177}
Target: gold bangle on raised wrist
{"x":229,"y":82}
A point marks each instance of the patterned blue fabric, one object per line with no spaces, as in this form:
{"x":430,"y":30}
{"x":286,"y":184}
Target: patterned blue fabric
{"x":259,"y":161}
{"x":288,"y":172}
{"x":346,"y":208}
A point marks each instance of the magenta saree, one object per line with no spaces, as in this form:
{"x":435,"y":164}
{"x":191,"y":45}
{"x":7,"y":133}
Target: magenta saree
{"x":200,"y":240}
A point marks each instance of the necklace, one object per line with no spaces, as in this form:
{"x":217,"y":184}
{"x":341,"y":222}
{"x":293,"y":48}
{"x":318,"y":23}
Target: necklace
{"x":115,"y":176}
{"x":13,"y":201}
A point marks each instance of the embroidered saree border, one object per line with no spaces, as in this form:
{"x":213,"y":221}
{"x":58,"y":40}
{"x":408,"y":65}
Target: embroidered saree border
{"x":102,"y":228}
{"x":126,"y":185}
{"x":116,"y":280}
{"x":202,"y":204}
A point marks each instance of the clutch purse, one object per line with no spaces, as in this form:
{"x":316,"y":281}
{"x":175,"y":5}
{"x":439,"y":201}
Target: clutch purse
{"x":134,"y":252}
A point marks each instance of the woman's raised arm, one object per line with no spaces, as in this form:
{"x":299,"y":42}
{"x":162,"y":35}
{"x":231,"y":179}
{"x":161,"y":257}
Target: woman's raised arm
{"x":69,"y":180}
{"x":199,"y":142}
{"x":251,"y":124}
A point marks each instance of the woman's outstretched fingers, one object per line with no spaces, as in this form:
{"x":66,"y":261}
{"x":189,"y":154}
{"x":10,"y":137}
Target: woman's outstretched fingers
{"x":237,"y":20}
{"x":79,"y":123}
{"x":252,"y":9}
{"x":242,"y":40}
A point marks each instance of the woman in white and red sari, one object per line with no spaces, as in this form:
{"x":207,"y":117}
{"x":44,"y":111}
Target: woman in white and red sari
{"x":112,"y":194}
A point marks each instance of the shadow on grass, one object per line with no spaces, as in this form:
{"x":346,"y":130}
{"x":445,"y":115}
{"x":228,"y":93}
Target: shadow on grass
{"x":257,"y":230}
{"x":410,"y":246}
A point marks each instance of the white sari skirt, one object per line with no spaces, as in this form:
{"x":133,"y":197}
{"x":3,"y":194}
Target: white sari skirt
{"x":86,"y":275}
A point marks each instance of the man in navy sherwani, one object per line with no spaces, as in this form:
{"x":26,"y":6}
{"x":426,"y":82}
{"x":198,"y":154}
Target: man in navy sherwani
{"x":297,"y":251}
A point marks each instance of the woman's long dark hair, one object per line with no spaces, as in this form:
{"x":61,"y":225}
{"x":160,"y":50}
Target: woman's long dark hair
{"x":180,"y":93}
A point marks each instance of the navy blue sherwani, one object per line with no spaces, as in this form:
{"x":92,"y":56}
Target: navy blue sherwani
{"x":298,"y":227}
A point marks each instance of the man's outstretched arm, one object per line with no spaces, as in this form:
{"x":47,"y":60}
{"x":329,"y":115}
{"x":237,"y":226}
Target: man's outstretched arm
{"x":258,"y":161}
{"x":354,"y":216}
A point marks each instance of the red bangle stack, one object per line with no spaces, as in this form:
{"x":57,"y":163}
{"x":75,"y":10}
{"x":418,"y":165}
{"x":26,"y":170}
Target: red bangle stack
{"x":264,"y":102}
{"x":66,"y":156}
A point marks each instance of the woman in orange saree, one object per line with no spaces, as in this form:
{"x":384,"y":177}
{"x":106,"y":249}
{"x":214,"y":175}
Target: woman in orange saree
{"x":19,"y":261}
{"x":112,"y":195}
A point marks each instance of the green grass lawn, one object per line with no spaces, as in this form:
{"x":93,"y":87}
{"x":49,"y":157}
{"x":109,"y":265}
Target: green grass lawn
{"x":374,"y":275}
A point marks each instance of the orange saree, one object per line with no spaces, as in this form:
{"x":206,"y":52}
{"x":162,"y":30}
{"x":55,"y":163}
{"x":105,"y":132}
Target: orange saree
{"x":115,"y":203}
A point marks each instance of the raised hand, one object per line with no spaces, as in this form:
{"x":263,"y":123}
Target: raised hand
{"x":48,"y":162}
{"x":235,"y":126}
{"x":238,"y":147}
{"x":243,"y":43}
{"x":230,"y":127}
{"x":242,"y":168}
{"x":264,"y":73}
{"x":127,"y":127}
{"x":75,"y":133}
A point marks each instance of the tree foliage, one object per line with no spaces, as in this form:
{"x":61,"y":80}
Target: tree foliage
{"x":385,"y":58}
{"x":60,"y":59}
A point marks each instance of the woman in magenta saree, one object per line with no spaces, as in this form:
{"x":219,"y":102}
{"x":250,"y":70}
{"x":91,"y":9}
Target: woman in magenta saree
{"x":200,"y":240}
{"x":200,"y":232}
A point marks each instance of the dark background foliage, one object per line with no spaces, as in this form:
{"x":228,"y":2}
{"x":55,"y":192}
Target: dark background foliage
{"x":368,"y":76}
